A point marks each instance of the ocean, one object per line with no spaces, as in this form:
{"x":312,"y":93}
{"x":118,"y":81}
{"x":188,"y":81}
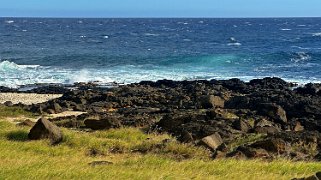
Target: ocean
{"x":48,"y":50}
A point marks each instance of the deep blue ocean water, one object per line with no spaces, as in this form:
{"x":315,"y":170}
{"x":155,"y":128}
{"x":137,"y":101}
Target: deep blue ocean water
{"x":41,"y":50}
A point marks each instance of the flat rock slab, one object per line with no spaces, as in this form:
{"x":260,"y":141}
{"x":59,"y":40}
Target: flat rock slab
{"x":66,"y":114}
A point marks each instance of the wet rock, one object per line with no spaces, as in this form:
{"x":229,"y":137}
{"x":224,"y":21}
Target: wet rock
{"x":213,"y":141}
{"x":45,"y":129}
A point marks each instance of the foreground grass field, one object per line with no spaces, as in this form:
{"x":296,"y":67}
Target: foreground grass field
{"x":133,"y":155}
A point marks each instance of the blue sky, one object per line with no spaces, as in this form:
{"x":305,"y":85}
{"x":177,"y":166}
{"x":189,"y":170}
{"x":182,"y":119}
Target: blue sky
{"x":160,"y":8}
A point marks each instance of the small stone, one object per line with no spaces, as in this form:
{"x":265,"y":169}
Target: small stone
{"x":298,"y":127}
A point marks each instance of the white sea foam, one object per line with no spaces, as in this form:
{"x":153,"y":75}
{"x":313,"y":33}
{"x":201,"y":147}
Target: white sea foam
{"x":234,"y":44}
{"x":151,"y":34}
{"x":300,"y":56}
{"x":285,"y":29}
{"x":9,"y":21}
{"x":317,"y":34}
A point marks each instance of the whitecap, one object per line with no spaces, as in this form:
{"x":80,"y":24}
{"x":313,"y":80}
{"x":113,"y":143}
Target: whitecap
{"x":187,"y":40}
{"x":300,"y":56}
{"x":9,"y":21}
{"x":234,"y":44}
{"x":82,"y":36}
{"x":286,"y":29}
{"x":151,"y":34}
{"x":106,"y":37}
{"x":317,"y":34}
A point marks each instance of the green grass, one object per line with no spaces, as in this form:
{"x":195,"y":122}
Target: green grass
{"x":12,"y":112}
{"x":135,"y":155}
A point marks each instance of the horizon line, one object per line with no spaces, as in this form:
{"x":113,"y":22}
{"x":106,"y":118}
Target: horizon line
{"x":160,"y":17}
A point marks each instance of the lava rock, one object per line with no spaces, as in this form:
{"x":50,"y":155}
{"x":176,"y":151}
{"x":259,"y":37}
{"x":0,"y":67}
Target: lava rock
{"x":45,"y":129}
{"x":273,"y":111}
{"x":213,"y":141}
{"x":100,"y":124}
{"x":211,"y":101}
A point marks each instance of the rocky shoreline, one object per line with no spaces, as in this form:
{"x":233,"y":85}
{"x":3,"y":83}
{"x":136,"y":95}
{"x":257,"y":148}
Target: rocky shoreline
{"x":264,"y":118}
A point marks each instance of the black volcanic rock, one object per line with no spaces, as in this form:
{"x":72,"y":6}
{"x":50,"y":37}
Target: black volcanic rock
{"x":268,"y":109}
{"x":44,"y":129}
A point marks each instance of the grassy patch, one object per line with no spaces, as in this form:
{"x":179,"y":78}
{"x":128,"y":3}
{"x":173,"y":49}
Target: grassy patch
{"x":13,"y":112}
{"x":21,"y":159}
{"x":244,"y":139}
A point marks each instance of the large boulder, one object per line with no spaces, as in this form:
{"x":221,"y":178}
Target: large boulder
{"x":45,"y":129}
{"x":273,"y":111}
{"x":211,"y":101}
{"x":238,"y":102}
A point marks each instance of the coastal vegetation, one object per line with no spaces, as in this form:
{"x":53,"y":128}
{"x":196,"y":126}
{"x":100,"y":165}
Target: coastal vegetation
{"x":131,"y":154}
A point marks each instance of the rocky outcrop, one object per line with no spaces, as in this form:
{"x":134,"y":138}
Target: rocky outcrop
{"x":283,"y":120}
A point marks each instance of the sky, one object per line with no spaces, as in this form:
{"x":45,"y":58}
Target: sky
{"x":160,"y":8}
